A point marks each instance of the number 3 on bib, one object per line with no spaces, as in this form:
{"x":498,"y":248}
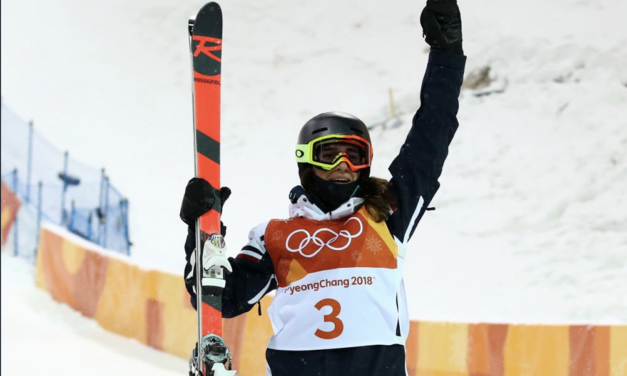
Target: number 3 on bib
{"x":332,"y":318}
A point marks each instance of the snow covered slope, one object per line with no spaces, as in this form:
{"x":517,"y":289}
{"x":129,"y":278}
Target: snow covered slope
{"x":530,"y":223}
{"x":43,"y":337}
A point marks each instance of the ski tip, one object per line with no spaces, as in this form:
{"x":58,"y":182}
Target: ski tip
{"x":208,"y":21}
{"x":211,"y":7}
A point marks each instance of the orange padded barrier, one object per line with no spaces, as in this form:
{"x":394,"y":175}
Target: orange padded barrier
{"x":153,"y":307}
{"x":9,"y":208}
{"x":147,"y":305}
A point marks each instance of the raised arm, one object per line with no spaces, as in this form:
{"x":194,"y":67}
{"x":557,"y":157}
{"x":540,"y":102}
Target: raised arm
{"x":415,"y":171}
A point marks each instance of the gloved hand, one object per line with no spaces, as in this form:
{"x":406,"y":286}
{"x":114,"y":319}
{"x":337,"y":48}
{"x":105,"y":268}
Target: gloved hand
{"x":442,"y":25}
{"x":199,"y":198}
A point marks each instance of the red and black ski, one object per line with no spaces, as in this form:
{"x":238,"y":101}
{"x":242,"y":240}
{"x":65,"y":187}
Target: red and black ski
{"x":205,"y":41}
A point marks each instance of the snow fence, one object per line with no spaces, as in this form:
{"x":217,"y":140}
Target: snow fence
{"x":54,"y":187}
{"x":153,"y":307}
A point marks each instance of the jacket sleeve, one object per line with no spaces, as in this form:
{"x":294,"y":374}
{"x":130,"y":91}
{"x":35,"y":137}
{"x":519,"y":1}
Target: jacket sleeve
{"x":416,"y":169}
{"x":252,"y":277}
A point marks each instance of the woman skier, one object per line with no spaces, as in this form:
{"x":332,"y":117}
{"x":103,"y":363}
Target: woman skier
{"x":337,"y":263}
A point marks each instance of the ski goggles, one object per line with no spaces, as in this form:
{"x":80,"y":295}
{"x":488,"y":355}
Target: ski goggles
{"x":327,"y":152}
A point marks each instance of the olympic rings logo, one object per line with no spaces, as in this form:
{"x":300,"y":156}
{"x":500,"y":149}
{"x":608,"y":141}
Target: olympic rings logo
{"x":319,"y":242}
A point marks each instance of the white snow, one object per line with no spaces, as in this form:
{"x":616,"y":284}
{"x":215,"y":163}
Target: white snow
{"x":531,"y":222}
{"x":43,"y":337}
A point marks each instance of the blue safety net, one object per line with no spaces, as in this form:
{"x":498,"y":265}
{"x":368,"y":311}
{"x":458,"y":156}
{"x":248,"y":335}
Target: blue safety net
{"x":56,"y":188}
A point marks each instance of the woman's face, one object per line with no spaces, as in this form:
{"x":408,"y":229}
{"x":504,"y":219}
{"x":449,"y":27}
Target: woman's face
{"x":341,"y":174}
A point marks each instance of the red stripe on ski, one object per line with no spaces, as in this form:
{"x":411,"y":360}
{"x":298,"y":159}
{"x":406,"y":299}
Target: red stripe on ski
{"x":211,"y":320}
{"x":210,"y":222}
{"x":208,"y":170}
{"x":207,"y":91}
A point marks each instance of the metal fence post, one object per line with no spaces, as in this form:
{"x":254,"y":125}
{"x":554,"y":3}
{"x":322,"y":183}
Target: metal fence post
{"x":106,"y":211}
{"x":29,"y":162}
{"x":101,"y":206}
{"x":124,"y":207}
{"x":63,"y":215}
{"x":39,"y":212}
{"x":70,"y":221}
{"x":90,"y":218}
{"x":15,"y":222}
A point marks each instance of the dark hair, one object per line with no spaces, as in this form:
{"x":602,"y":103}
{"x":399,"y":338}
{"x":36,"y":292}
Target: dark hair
{"x":379,"y":198}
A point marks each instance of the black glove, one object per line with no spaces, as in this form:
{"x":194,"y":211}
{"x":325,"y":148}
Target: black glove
{"x":442,"y":25}
{"x":199,"y":198}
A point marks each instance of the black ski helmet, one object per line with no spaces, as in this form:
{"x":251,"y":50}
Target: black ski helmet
{"x":328,"y":124}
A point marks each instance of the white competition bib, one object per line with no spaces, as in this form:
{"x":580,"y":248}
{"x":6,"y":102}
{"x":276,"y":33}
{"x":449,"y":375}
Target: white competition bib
{"x":339,"y":284}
